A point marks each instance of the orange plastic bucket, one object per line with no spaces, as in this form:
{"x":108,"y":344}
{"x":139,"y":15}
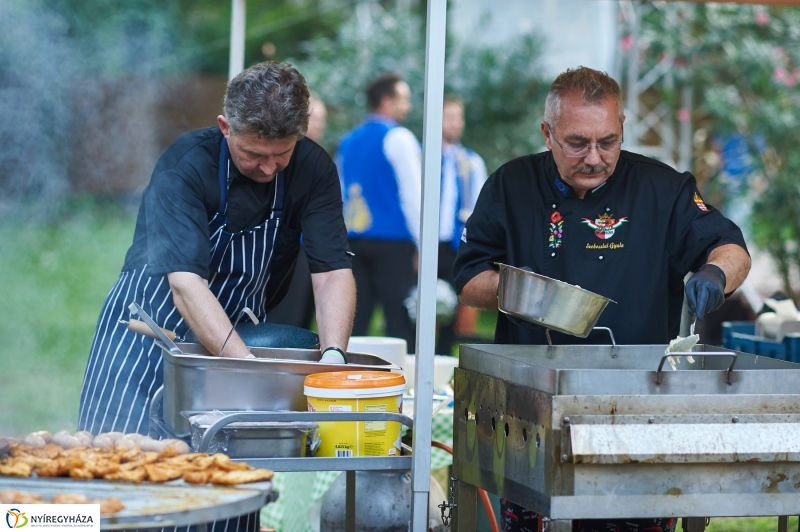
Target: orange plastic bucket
{"x":357,"y":391}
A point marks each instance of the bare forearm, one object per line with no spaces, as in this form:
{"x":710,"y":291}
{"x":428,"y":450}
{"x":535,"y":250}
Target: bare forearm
{"x":481,"y":291}
{"x":734,"y":261}
{"x":204,"y":315}
{"x":335,"y":299}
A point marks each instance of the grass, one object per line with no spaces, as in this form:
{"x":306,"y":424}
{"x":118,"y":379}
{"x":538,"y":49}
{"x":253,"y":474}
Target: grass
{"x":54,"y":278}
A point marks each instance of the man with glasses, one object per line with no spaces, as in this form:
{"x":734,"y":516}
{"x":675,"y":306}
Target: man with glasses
{"x":613,"y":222}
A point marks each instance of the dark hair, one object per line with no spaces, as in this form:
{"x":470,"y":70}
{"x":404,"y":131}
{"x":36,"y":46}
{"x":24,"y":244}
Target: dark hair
{"x":380,"y":88}
{"x":594,"y":87}
{"x":268,"y":99}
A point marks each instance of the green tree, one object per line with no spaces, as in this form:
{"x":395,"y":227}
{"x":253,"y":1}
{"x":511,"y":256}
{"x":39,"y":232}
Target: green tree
{"x":502,"y":88}
{"x":744,"y":63}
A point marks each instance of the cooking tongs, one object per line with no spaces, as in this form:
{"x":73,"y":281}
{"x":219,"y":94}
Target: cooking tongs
{"x":166,"y":340}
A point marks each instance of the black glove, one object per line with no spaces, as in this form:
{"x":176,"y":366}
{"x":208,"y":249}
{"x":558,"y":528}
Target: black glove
{"x":705,"y":290}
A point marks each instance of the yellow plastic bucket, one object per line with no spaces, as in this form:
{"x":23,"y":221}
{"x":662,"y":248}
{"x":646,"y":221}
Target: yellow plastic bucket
{"x":357,"y":391}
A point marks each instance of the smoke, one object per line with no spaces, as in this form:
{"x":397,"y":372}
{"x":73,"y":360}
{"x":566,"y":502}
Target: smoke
{"x":80,"y":84}
{"x":36,"y":70}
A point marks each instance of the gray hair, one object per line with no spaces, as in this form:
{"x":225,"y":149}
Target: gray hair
{"x":268,"y":99}
{"x":593,"y":86}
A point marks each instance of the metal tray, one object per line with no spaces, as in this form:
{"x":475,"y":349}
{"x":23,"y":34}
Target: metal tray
{"x":150,"y":505}
{"x":252,"y":439}
{"x":273,"y":381}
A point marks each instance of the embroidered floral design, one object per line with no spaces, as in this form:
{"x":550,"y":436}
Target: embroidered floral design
{"x":699,"y":202}
{"x":556,"y":229}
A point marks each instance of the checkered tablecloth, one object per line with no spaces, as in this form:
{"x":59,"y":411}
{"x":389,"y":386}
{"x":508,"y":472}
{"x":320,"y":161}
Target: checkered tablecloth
{"x":300,"y":492}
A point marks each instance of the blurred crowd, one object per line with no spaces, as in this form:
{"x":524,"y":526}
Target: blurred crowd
{"x":380,"y":169}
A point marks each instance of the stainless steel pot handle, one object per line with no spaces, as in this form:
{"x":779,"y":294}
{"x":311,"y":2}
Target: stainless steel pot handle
{"x":728,"y":372}
{"x":610,"y":333}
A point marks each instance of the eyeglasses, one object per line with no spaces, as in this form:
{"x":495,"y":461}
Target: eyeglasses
{"x":582,"y":150}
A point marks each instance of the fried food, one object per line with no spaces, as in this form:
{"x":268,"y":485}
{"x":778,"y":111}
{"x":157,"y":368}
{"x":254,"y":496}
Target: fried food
{"x":80,"y":473}
{"x":70,"y":498}
{"x":15,"y":468}
{"x":19,"y":497}
{"x":229,"y":478}
{"x":126,"y":461}
{"x":196,"y":477}
{"x":128,"y":475}
{"x":161,"y":473}
{"x":109,"y":506}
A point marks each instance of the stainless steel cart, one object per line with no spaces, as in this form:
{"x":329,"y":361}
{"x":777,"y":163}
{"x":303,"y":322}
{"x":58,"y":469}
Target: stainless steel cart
{"x":581,"y":432}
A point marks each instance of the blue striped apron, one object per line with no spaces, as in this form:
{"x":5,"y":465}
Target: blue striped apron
{"x":124,"y":368}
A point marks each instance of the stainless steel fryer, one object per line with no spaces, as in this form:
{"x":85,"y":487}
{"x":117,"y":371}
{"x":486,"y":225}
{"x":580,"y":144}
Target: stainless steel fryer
{"x":581,"y":432}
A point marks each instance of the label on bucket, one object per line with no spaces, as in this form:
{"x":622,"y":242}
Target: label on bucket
{"x":375,"y":426}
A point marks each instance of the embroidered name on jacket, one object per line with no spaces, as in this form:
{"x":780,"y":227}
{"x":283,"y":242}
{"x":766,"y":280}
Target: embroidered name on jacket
{"x":605,"y":225}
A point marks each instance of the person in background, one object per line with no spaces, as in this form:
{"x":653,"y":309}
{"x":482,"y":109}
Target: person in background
{"x":381,"y":172}
{"x":297,"y":308}
{"x":613,"y":222}
{"x":219,"y":230}
{"x":463,"y":175}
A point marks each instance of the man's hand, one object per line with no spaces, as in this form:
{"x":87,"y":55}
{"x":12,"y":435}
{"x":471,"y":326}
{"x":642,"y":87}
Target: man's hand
{"x":705,"y":290}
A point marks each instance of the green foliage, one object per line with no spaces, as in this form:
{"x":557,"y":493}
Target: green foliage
{"x":745,"y":62}
{"x":501,"y":87}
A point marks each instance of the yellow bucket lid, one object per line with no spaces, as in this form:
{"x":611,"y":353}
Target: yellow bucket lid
{"x":354,"y":380}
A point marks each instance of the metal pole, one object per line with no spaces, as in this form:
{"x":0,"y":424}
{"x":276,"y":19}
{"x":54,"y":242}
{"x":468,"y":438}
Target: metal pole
{"x":236,"y":60}
{"x":428,"y":257}
{"x":685,"y":131}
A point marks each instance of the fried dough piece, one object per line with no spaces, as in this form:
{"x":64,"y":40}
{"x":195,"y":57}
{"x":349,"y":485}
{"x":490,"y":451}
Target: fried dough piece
{"x":70,"y":498}
{"x":132,"y":475}
{"x":144,"y":459}
{"x":229,"y":478}
{"x":167,"y":452}
{"x":19,"y":497}
{"x":223,"y":461}
{"x":49,"y":450}
{"x":196,"y":477}
{"x":161,"y":473}
{"x":59,"y":467}
{"x":103,"y":468}
{"x":81,"y":473}
{"x":15,"y":468}
{"x":179,"y":445}
{"x":109,"y":506}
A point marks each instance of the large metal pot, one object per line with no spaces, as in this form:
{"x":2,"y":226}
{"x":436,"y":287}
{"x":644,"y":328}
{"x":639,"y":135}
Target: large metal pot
{"x":548,"y":302}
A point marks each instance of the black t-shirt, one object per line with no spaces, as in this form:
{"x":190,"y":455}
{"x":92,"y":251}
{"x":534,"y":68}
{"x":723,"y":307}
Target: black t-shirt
{"x":633,"y":240}
{"x":183,"y":195}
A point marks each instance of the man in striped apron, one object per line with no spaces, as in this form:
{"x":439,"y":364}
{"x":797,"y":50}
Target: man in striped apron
{"x":218,"y":230}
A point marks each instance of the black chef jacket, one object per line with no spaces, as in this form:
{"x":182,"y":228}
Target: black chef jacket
{"x":633,"y":240}
{"x":183,"y":195}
